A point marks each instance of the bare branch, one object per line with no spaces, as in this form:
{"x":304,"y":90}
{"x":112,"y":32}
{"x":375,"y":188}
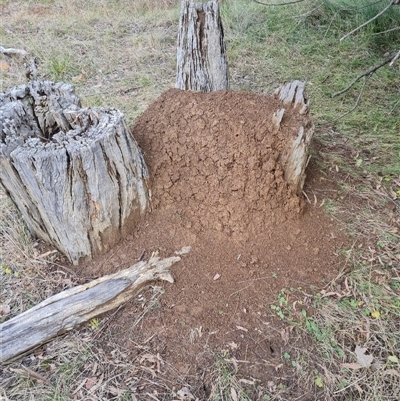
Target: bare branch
{"x":368,"y":73}
{"x":278,"y":4}
{"x":387,"y":31}
{"x":11,"y":52}
{"x":394,"y":59}
{"x":372,"y":19}
{"x":357,"y":101}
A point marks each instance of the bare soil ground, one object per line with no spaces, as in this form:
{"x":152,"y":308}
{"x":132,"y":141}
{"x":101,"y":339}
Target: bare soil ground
{"x":218,"y":187}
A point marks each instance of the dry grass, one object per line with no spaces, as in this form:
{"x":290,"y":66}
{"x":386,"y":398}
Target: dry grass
{"x":89,"y":364}
{"x":108,"y":50}
{"x":29,"y":272}
{"x":122,"y":54}
{"x":105,"y":49}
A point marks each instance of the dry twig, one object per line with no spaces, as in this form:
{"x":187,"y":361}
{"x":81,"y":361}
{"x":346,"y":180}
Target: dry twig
{"x":278,"y":4}
{"x":394,"y":58}
{"x":12,"y":52}
{"x":357,"y":101}
{"x":387,"y":31}
{"x":393,"y":2}
{"x":369,"y":72}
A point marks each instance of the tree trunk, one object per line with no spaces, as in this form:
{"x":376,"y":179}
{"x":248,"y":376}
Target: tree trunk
{"x":201,"y":54}
{"x":66,"y":310}
{"x":76,"y":174}
{"x":295,"y":157}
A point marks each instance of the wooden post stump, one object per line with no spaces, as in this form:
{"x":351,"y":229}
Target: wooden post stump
{"x":76,"y":174}
{"x":201,"y":54}
{"x":295,"y":157}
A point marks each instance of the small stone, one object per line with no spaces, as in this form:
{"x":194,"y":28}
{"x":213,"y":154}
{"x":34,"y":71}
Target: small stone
{"x":288,"y":247}
{"x":219,"y":226}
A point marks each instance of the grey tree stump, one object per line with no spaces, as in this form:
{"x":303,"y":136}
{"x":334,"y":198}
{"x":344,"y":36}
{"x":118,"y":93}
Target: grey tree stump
{"x":76,"y":174}
{"x":201,"y":53}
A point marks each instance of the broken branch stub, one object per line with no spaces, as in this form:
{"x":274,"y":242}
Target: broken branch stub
{"x":201,"y":52}
{"x":68,"y":309}
{"x":76,"y":174}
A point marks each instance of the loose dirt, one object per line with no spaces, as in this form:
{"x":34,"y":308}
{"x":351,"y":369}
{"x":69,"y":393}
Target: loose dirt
{"x":215,"y":158}
{"x":218,"y":187}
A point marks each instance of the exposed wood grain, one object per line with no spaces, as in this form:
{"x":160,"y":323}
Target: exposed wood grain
{"x":296,"y":154}
{"x":76,"y":174}
{"x":201,"y":54}
{"x":68,"y":309}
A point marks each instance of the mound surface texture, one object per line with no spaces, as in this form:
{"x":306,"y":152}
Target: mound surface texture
{"x":218,"y":161}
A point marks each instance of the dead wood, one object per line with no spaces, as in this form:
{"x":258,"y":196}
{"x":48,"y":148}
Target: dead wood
{"x":30,"y":63}
{"x":368,"y":73}
{"x":295,"y":157}
{"x":68,"y":309}
{"x":201,"y":53}
{"x":76,"y":174}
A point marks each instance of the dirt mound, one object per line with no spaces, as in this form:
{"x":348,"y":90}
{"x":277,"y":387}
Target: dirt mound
{"x":218,"y":186}
{"x":217,"y":161}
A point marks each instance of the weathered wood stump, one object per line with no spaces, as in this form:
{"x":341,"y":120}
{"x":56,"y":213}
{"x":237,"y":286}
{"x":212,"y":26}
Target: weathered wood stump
{"x":76,"y":174}
{"x":68,"y":309}
{"x":295,"y":157}
{"x":201,"y":54}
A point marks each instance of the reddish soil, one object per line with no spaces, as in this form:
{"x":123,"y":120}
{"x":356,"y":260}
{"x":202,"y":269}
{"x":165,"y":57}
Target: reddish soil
{"x":217,"y":185}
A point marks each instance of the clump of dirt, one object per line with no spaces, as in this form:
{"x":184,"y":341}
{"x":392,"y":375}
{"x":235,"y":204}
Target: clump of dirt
{"x":216,"y":157}
{"x":218,"y":186}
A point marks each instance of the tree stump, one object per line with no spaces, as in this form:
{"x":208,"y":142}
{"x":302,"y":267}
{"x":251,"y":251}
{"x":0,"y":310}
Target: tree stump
{"x":295,"y":157}
{"x":76,"y":174}
{"x":201,"y":54}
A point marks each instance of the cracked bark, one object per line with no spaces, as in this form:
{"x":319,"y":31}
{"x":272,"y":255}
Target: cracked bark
{"x":201,"y":52}
{"x":295,"y":157}
{"x":54,"y":158}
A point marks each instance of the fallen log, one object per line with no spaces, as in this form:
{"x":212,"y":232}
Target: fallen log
{"x":76,"y":174}
{"x":201,"y":53}
{"x":68,"y":309}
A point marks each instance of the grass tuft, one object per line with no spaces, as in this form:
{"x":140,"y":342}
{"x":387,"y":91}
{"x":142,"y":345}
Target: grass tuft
{"x":225,"y":385}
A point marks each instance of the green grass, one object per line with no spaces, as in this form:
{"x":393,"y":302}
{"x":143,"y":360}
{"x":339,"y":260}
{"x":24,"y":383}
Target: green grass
{"x":269,"y":45}
{"x":361,"y":309}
